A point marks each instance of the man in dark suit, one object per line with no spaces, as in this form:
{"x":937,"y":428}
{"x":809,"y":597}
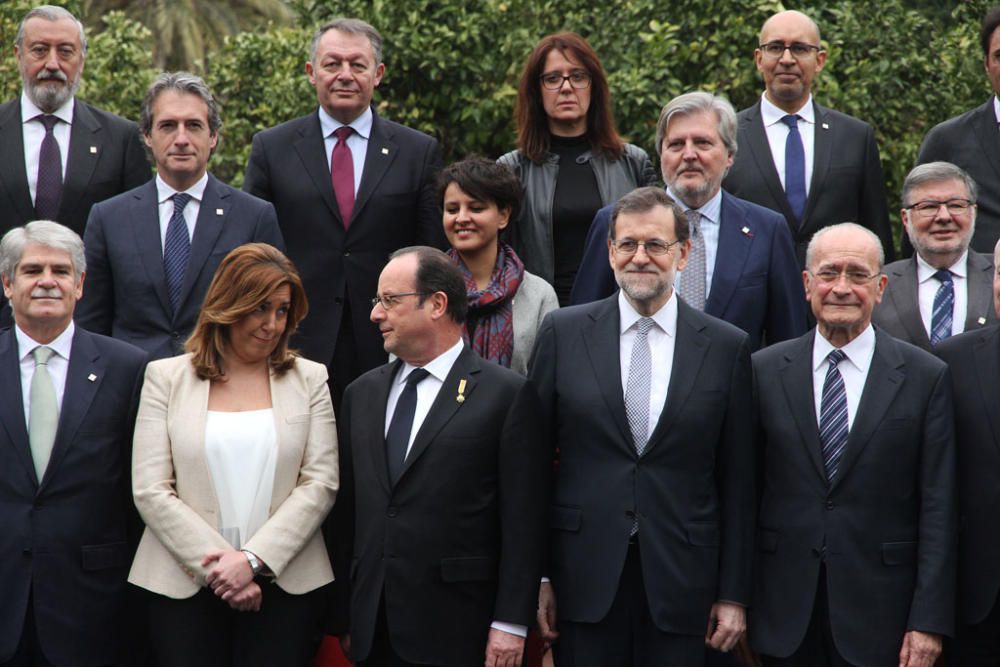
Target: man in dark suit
{"x":944,"y":288}
{"x":648,"y":402}
{"x":857,"y":525}
{"x":972,"y":142}
{"x":974,"y":361}
{"x":152,"y":252}
{"x":66,"y":418}
{"x":444,"y":478}
{"x":350,"y":187}
{"x":814,"y":165}
{"x":748,"y":267}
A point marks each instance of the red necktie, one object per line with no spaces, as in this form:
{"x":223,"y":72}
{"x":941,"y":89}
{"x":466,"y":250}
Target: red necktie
{"x":342,"y":168}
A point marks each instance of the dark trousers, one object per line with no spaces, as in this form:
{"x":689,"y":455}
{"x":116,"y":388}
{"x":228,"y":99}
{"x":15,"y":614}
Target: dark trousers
{"x":979,"y":645}
{"x":627,"y":636}
{"x":345,"y":366}
{"x":204,"y":631}
{"x":817,"y":648}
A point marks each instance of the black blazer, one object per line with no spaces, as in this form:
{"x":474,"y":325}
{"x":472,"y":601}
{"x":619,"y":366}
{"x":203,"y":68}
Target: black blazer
{"x":692,"y":489}
{"x":69,"y":540}
{"x":847,"y":183}
{"x":974,"y":361}
{"x":125,"y":293}
{"x":899,"y":312}
{"x":457,"y":543}
{"x":396,"y":206}
{"x":885,"y":529}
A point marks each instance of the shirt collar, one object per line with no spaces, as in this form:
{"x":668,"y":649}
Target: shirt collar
{"x":362,"y":124}
{"x":61,"y":345}
{"x":29,"y":111}
{"x":665,"y":318}
{"x":711,"y":212}
{"x":439,"y":367}
{"x":859,"y":351}
{"x":996,"y":108}
{"x":926,"y":272}
{"x":165,"y":192}
{"x":771,"y":114}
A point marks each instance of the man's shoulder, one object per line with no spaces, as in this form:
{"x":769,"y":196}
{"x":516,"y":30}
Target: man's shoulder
{"x":106,"y":118}
{"x":750,"y":112}
{"x":283,"y":131}
{"x":124,"y":199}
{"x":125,"y":355}
{"x":963,"y":122}
{"x":910,"y":355}
{"x":223,"y":189}
{"x":399,"y":132}
{"x":899,"y":267}
{"x":719,"y":330}
{"x":767,"y":358}
{"x":761,"y":214}
{"x":572,"y":317}
{"x":839,"y":118}
{"x":954,"y":347}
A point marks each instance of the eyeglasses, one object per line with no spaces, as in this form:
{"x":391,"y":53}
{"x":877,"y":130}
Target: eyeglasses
{"x":653,"y":248}
{"x":829,"y":276}
{"x":798,"y":49}
{"x":388,"y":301}
{"x":930,"y":207}
{"x":554,"y":80}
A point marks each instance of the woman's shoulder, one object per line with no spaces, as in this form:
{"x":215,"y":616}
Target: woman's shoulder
{"x":171,"y":365}
{"x":308,"y":370}
{"x":634,"y":152}
{"x":511,"y":159}
{"x":537,"y":288}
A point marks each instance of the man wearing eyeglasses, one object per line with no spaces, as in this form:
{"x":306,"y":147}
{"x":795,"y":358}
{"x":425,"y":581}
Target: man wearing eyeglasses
{"x":814,"y":165}
{"x":647,"y":399}
{"x":945,"y":288}
{"x":857,"y":524}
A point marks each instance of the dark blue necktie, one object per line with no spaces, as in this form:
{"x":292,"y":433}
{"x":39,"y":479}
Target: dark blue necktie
{"x":944,"y":306}
{"x":176,"y":250}
{"x":49,"y":186}
{"x":795,"y":168}
{"x":397,"y":439}
{"x":833,"y":415}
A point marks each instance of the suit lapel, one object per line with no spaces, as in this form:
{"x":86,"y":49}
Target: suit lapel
{"x":754,"y":138}
{"x":375,"y":439}
{"x":989,"y":138}
{"x":986,"y":354}
{"x":12,"y":174}
{"x":145,"y":223}
{"x":206,"y":232}
{"x":797,"y":383}
{"x":731,"y":258}
{"x":885,"y":377}
{"x":84,"y":151}
{"x":12,"y":408}
{"x":902,"y":291}
{"x":822,"y":151}
{"x":979,"y":310}
{"x":602,"y":339}
{"x":381,"y":153}
{"x":312,"y":151}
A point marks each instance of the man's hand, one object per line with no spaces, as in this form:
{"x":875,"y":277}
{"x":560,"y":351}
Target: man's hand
{"x":504,"y":649}
{"x":920,"y":649}
{"x":247,"y":599}
{"x":726,"y":624}
{"x":547,"y":612}
{"x":231,"y":574}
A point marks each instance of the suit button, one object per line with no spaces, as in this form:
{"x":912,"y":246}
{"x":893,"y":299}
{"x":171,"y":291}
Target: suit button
{"x":630,"y":514}
{"x":26,"y":551}
{"x":392,"y":511}
{"x":347,"y":254}
{"x":820,"y":552}
{"x":829,"y":504}
{"x":338,"y":299}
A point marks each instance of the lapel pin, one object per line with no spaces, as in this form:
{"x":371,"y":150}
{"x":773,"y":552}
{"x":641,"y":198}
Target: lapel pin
{"x":982,"y":321}
{"x":746,"y":230}
{"x":385,"y":151}
{"x":461,"y":391}
{"x":825,"y":126}
{"x":91,"y":377}
{"x":219,"y":211}
{"x":93,"y":150}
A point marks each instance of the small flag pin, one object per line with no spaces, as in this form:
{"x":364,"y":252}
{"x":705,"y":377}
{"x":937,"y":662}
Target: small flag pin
{"x":825,"y":126}
{"x":385,"y":151}
{"x":93,"y":150}
{"x":218,"y":211}
{"x":91,"y":377}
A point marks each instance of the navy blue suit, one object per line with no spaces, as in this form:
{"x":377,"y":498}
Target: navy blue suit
{"x":68,"y":541}
{"x":125,"y":293}
{"x":756,"y":284}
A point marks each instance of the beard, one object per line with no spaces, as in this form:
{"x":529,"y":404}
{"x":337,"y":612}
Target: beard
{"x":46,"y":95}
{"x":640,"y":290}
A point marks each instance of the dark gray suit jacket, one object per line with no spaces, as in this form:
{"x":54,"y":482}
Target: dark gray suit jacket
{"x":125,"y":293}
{"x":899,"y":312}
{"x":847,"y":183}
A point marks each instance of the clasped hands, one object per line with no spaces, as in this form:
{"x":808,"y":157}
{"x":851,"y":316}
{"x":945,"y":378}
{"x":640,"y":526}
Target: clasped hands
{"x":232,"y":579}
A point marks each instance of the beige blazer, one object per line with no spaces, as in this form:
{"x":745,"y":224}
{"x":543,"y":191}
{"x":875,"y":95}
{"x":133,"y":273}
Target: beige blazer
{"x":173,"y":488}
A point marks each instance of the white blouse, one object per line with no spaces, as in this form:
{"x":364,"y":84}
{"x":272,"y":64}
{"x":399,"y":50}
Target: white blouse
{"x":242,"y":452}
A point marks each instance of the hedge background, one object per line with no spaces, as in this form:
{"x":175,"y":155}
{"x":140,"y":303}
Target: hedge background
{"x":452,"y":66}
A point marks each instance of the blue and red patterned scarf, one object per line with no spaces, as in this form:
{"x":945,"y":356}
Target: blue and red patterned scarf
{"x":489,"y":326}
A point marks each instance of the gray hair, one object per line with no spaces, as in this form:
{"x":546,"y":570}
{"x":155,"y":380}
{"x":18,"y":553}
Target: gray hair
{"x":50,"y":13}
{"x":698,"y":102}
{"x":935,"y":172}
{"x":44,"y":233}
{"x":182,"y":82}
{"x":353,"y":27}
{"x":811,"y":248}
{"x":642,"y":200}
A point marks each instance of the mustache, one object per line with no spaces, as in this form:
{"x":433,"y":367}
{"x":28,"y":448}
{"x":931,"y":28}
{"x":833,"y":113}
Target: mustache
{"x":46,"y":75}
{"x":46,"y":293}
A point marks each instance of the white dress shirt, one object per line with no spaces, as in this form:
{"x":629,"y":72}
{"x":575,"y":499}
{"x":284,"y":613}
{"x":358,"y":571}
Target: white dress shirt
{"x":711,"y":221}
{"x":996,"y":108}
{"x":58,"y":364}
{"x":777,"y":133}
{"x":33,"y":132}
{"x":662,"y":338}
{"x":853,"y":369}
{"x":164,"y":194}
{"x":927,"y":287}
{"x":357,"y":142}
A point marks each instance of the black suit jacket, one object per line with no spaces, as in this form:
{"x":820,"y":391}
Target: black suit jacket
{"x":692,"y":489}
{"x":899,"y":312}
{"x":457,"y":543}
{"x":885,"y":529}
{"x":69,"y":539}
{"x":847,"y":183}
{"x":974,"y":361}
{"x":125,"y":293}
{"x":972,"y":142}
{"x":396,"y":206}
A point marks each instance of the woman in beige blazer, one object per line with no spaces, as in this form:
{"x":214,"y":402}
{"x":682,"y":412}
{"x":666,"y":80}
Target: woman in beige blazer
{"x":234,"y":469}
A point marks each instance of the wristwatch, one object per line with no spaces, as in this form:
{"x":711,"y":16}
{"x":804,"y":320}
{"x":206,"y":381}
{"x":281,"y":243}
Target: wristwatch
{"x":255,"y":565}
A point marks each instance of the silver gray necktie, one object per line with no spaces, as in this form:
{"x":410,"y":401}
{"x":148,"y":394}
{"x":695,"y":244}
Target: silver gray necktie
{"x":692,"y":286}
{"x":43,"y":412}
